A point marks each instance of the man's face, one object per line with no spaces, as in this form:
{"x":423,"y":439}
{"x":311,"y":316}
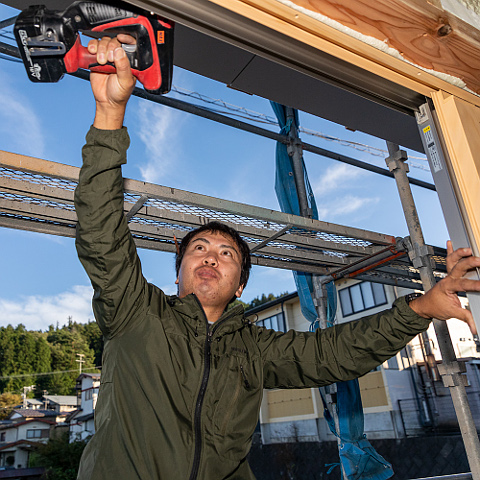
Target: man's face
{"x":211,"y":268}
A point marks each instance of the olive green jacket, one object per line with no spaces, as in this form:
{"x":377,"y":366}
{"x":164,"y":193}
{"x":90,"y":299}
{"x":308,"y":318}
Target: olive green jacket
{"x":180,"y":399}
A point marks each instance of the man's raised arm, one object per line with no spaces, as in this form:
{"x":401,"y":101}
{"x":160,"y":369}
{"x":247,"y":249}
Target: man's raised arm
{"x":104,"y":243}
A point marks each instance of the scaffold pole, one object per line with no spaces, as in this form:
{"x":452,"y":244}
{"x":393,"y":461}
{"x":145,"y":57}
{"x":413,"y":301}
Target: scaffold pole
{"x":451,"y":372}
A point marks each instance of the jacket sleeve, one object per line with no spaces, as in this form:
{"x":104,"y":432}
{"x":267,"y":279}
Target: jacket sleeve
{"x":104,"y":244}
{"x":342,"y":352}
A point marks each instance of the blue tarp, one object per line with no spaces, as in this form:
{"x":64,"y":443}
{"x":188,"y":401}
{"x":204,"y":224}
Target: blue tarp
{"x":359,"y":459}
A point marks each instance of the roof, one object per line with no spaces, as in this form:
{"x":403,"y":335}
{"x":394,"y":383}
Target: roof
{"x":272,"y":303}
{"x":25,"y":443}
{"x":95,"y":376}
{"x":29,"y":473}
{"x":84,"y":418}
{"x":17,"y":424}
{"x":62,"y":399}
{"x":29,"y":413}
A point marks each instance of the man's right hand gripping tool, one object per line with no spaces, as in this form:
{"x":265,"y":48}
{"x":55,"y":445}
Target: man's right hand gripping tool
{"x":50,"y":46}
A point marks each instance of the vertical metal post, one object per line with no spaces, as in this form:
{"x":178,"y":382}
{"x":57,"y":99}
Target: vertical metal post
{"x":294,"y":149}
{"x":320,"y":301}
{"x":450,"y":369}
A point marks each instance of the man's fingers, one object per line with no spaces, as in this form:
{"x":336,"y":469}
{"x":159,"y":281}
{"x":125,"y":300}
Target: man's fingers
{"x":465,"y":265}
{"x":128,"y":39}
{"x":466,"y":316}
{"x":454,"y":257}
{"x":124,"y":71}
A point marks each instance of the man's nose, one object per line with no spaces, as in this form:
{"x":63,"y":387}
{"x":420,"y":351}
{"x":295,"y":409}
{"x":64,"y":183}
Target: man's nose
{"x":210,"y":259}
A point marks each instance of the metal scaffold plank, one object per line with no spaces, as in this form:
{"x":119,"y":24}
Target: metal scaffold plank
{"x":37,"y":195}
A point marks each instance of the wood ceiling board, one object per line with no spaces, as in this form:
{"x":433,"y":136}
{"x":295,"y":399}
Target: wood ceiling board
{"x":423,"y":33}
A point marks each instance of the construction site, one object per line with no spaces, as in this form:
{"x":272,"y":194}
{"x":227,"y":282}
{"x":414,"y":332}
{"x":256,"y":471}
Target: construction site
{"x":403,"y":71}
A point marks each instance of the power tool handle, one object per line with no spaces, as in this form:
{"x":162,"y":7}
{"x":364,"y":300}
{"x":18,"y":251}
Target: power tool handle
{"x":148,"y":70}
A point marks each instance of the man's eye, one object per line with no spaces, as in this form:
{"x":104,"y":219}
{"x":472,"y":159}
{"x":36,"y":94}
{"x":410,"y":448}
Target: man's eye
{"x":198,"y":247}
{"x":227,"y":252}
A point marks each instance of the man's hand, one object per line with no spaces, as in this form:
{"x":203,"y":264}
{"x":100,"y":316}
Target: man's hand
{"x":442,"y":302}
{"x":111,"y":91}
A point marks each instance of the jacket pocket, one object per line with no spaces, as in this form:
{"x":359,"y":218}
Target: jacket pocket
{"x":236,"y":414}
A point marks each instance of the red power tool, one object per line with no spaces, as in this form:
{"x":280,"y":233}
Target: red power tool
{"x":50,"y":45}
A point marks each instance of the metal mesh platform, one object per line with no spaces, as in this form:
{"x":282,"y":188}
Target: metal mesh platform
{"x":37,"y":195}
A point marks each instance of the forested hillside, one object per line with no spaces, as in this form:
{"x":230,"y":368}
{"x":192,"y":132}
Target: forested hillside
{"x":50,"y":360}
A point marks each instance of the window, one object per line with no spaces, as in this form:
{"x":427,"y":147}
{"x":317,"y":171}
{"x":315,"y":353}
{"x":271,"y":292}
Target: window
{"x":275,"y":322}
{"x":2,"y":436}
{"x":38,"y":433}
{"x":88,"y":394}
{"x":361,"y":296}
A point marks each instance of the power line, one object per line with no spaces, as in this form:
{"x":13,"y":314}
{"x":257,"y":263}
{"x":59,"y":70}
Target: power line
{"x":226,"y":120}
{"x":5,"y":377}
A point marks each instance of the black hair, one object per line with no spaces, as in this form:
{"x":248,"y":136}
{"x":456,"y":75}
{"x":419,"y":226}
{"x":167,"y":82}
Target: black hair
{"x":218,"y":227}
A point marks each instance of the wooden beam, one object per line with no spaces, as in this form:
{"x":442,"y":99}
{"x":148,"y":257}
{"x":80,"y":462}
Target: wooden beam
{"x":460,"y":125}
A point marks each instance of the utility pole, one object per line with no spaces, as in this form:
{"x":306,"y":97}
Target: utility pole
{"x":24,"y":395}
{"x":450,"y":370}
{"x":81,"y":361}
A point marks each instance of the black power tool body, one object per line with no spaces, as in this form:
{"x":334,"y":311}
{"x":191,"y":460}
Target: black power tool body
{"x":50,"y":45}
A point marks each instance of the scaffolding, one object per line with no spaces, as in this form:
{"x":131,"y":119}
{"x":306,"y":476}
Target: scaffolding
{"x":37,"y":195}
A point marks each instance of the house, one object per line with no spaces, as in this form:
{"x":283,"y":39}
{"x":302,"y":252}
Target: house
{"x":81,"y":421}
{"x":405,"y":396}
{"x":24,"y":429}
{"x":24,"y":414}
{"x":18,"y":438}
{"x":60,"y":403}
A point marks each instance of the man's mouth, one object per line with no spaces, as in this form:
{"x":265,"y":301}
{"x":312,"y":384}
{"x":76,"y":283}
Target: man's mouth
{"x":206,"y":272}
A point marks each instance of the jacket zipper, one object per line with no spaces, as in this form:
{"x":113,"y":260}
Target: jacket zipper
{"x":197,"y":423}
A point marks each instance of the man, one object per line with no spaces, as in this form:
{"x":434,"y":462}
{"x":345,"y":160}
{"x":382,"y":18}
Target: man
{"x":183,"y":376}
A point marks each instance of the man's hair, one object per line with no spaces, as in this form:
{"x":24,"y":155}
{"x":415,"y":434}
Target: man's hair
{"x":217,"y":227}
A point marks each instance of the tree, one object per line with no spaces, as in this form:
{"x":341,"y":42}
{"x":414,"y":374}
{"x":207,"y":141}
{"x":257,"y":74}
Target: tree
{"x":264,"y":299}
{"x":65,"y":343}
{"x":94,"y":338}
{"x":59,"y":457}
{"x":7,"y":402}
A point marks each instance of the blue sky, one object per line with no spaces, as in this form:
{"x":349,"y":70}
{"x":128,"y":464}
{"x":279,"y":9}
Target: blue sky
{"x":42,"y":281}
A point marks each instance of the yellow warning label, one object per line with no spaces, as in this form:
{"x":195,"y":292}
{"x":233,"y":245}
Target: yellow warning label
{"x":426,"y":129}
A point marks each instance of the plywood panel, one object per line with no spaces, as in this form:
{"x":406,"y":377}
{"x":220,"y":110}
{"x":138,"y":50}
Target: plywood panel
{"x":289,"y":403}
{"x":372,"y":390}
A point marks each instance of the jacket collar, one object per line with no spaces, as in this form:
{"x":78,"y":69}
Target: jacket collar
{"x":232,"y":318}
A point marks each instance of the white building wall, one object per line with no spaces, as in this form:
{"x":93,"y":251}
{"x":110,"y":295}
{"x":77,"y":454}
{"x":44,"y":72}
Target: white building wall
{"x":81,"y":430}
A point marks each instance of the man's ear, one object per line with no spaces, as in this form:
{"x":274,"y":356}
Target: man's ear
{"x":239,"y":292}
{"x":177,"y":281}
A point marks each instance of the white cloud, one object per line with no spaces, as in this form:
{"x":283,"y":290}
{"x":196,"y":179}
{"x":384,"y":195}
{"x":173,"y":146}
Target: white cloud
{"x":169,"y":289}
{"x":351,"y":204}
{"x":19,"y":121}
{"x":157,"y":129}
{"x":335,"y":204}
{"x":337,"y":177}
{"x":39,"y":312}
